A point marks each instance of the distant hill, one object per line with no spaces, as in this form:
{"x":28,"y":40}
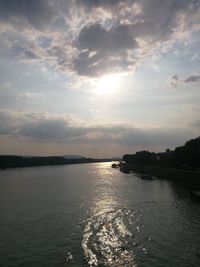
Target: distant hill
{"x":73,"y":157}
{"x":116,"y":158}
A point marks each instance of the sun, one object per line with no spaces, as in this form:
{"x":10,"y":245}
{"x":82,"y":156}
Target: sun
{"x":108,"y":84}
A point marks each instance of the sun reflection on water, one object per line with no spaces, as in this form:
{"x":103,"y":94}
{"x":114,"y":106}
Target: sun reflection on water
{"x":107,"y":239}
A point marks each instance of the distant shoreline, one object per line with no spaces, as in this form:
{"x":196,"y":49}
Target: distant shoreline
{"x":8,"y":162}
{"x":192,"y":177}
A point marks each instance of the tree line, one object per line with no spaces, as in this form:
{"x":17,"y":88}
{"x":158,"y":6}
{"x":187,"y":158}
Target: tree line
{"x":184,"y":157}
{"x":21,"y":161}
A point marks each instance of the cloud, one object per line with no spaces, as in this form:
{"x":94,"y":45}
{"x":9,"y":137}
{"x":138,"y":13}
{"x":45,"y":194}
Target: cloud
{"x":37,"y":13}
{"x":103,"y":50}
{"x":99,"y":3}
{"x":97,"y":38}
{"x":195,"y":123}
{"x":140,"y":30}
{"x":51,"y":130}
{"x":94,"y":37}
{"x":7,"y":123}
{"x":23,"y":51}
{"x":59,"y":129}
{"x":39,"y":126}
{"x":193,"y":78}
{"x":176,"y":81}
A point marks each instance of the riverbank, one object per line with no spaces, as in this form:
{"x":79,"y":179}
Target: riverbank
{"x":191,"y":177}
{"x":7,"y":162}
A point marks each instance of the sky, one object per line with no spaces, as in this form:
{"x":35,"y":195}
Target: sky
{"x":98,"y":78}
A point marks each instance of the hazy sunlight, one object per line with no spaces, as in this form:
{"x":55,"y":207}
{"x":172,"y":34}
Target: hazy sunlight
{"x":108,"y":84}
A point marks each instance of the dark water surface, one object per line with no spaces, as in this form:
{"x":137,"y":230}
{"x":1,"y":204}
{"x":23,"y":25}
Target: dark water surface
{"x":93,"y":215}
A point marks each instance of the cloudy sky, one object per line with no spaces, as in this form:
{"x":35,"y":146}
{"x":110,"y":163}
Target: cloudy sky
{"x":98,"y":77}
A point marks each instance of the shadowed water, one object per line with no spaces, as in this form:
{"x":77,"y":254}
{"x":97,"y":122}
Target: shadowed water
{"x":93,"y":215}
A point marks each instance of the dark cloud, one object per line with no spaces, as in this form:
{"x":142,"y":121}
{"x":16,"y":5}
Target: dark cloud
{"x":174,"y":81}
{"x":51,"y":129}
{"x":43,"y":128}
{"x":101,"y":63}
{"x":97,"y":38}
{"x":105,"y":36}
{"x":136,"y":30}
{"x":7,"y":123}
{"x":104,"y":50}
{"x":107,"y":4}
{"x":37,"y":12}
{"x":193,"y":78}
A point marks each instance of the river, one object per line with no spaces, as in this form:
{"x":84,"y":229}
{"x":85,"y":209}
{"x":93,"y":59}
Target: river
{"x":93,"y":215}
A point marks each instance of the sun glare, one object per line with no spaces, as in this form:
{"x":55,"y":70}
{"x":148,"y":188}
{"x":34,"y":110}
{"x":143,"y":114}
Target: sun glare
{"x":108,"y":84}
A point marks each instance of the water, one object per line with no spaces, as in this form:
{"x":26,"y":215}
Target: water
{"x":93,"y":215}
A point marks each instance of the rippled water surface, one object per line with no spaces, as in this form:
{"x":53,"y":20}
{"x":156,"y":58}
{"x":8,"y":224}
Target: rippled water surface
{"x":93,"y":215}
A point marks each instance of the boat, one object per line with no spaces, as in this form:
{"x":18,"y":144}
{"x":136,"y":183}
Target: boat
{"x":114,"y":165}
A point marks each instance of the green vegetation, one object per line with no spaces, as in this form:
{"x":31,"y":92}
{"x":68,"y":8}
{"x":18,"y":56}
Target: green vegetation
{"x":186,"y":157}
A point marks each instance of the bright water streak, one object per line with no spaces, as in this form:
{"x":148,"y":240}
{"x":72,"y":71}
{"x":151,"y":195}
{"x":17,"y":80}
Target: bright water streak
{"x":93,"y":215}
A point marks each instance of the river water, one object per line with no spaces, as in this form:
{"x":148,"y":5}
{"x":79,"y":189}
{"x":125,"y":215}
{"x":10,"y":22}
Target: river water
{"x":93,"y":215}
